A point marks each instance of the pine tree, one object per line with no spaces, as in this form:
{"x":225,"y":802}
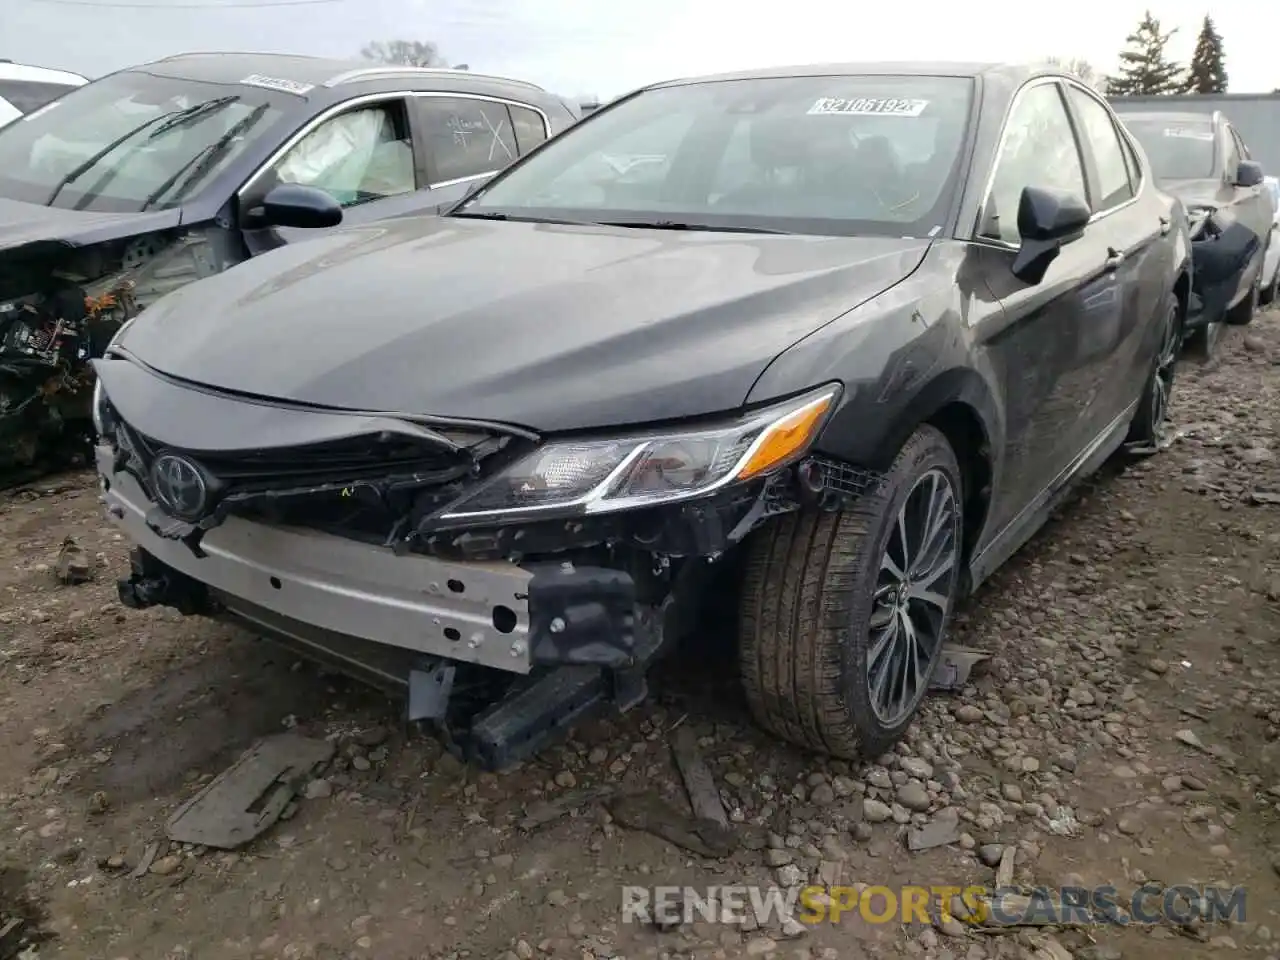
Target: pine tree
{"x":1208,"y":70}
{"x":1144,"y":69}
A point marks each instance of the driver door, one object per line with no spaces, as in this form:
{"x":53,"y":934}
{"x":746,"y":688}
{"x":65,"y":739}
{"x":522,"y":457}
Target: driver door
{"x":367,"y":158}
{"x":1041,"y":347}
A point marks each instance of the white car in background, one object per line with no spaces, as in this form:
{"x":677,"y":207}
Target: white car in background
{"x":1271,"y":262}
{"x":25,"y":89}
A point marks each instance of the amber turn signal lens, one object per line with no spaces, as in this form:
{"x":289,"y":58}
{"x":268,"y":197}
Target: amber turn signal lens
{"x":784,"y":438}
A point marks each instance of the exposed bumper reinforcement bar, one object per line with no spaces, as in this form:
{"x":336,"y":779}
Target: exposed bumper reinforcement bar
{"x":535,"y":709}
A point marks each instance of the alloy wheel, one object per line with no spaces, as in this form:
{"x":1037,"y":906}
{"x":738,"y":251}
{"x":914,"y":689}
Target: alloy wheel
{"x":917,"y":577}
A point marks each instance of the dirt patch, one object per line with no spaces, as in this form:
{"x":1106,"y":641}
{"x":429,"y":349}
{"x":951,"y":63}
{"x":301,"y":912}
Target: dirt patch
{"x":22,"y":918}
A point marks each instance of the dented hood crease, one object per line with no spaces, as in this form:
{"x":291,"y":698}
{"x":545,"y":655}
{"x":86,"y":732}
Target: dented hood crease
{"x":552,"y":327}
{"x":31,"y":224}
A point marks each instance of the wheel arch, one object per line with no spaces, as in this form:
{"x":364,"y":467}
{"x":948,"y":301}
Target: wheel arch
{"x":960,"y":404}
{"x":1182,"y":292}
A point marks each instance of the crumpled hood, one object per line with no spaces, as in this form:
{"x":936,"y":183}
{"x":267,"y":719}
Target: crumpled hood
{"x":552,"y":327}
{"x":22,"y":224}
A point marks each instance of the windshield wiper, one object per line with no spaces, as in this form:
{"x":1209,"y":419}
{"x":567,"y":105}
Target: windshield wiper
{"x":192,"y":113}
{"x":166,"y":120}
{"x":206,"y":158}
{"x":678,"y":225}
{"x":80,"y":170}
{"x":483,"y":215}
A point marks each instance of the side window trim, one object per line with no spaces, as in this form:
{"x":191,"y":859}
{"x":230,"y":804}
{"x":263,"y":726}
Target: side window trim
{"x":1091,"y":169}
{"x":975,"y":234}
{"x":320,"y":118}
{"x":1137,"y":174}
{"x":506,"y":103}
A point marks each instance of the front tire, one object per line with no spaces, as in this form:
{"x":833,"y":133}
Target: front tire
{"x":1150,"y":421}
{"x":844,"y":614}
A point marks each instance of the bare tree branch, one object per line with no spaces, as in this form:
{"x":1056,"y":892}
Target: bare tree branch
{"x":411,"y":53}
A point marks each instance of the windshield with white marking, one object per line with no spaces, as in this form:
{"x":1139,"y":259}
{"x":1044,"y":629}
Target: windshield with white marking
{"x":821,"y":155}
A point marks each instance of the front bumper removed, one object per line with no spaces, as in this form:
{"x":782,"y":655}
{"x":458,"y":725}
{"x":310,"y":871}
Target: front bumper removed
{"x":565,"y":638}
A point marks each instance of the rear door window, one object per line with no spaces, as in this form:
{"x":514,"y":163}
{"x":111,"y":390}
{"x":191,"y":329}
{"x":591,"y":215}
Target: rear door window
{"x":466,"y":137}
{"x":529,"y":127}
{"x":1114,"y":182}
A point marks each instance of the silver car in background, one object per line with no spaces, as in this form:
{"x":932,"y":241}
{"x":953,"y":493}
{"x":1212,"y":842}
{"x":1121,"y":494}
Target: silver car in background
{"x":1271,"y":262}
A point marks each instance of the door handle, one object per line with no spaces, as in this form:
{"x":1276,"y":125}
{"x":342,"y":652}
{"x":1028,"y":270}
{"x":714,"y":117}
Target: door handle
{"x":1114,"y":259}
{"x":1165,"y":225}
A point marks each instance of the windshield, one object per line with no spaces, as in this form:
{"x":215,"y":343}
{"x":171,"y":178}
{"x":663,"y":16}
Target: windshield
{"x":1178,"y":150}
{"x":124,"y":143}
{"x":822,"y":155}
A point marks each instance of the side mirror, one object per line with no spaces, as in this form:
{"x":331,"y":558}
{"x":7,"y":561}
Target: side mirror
{"x":1047,"y":219}
{"x":296,"y":205}
{"x":1249,"y":173}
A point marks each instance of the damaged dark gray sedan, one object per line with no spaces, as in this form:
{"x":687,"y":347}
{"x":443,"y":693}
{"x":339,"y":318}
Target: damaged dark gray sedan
{"x":828,"y":342}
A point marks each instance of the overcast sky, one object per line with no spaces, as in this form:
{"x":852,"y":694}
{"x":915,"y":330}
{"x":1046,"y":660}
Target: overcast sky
{"x":605,"y":48}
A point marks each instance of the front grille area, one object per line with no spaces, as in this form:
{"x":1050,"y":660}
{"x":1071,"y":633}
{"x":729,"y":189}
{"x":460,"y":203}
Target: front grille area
{"x":373,"y":487}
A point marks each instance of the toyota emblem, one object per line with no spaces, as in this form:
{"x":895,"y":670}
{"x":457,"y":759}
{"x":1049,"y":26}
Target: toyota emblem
{"x":179,"y":486}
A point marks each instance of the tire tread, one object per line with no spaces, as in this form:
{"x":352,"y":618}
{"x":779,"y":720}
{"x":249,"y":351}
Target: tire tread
{"x":799,"y":602}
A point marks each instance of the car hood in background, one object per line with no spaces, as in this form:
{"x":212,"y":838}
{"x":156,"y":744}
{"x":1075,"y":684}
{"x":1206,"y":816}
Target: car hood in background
{"x":552,"y":327}
{"x":1194,"y":193}
{"x":31,"y":224}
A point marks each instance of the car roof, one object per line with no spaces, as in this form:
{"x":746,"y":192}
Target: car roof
{"x":1014,"y":72}
{"x":322,"y":72}
{"x":32,"y":74}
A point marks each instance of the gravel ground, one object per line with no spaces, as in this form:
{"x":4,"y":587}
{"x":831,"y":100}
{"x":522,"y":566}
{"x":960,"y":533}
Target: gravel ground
{"x":1124,"y":731}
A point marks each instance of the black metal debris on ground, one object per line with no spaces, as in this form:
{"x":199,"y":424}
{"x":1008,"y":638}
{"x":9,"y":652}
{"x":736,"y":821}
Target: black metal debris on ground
{"x":72,"y":566}
{"x":248,"y":797}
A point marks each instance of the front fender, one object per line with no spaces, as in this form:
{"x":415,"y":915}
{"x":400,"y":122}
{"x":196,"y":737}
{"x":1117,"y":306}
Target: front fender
{"x":902,"y":357}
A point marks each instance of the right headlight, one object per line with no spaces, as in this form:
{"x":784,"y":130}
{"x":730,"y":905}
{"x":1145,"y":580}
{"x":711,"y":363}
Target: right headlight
{"x":621,"y":473}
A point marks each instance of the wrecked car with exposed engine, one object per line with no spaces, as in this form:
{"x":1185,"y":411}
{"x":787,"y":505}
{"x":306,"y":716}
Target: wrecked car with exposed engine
{"x":1203,"y":161}
{"x":147,"y":179}
{"x":822,"y":362}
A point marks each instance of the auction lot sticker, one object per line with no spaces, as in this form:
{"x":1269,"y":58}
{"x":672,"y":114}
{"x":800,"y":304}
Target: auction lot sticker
{"x":870,"y":106}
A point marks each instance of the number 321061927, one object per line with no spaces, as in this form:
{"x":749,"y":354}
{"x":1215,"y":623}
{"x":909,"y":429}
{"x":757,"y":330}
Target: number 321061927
{"x":870,"y":106}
